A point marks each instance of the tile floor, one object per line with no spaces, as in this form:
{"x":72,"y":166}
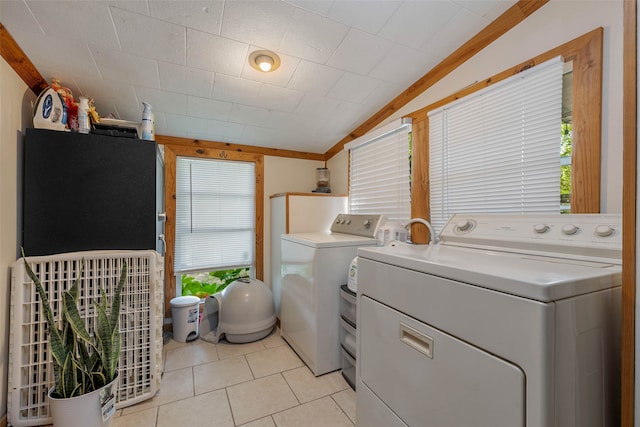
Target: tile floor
{"x":260,"y":384}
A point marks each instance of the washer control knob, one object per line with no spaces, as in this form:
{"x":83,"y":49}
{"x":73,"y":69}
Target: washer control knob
{"x":604,"y":230}
{"x":348,"y":221}
{"x":569,"y":229}
{"x":464,"y":225}
{"x":366,"y":223}
{"x":541,"y":228}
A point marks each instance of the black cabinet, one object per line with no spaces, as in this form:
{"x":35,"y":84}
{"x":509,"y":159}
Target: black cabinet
{"x":90,"y":192}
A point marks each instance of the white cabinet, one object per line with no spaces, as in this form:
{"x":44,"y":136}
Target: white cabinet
{"x":299,"y":213}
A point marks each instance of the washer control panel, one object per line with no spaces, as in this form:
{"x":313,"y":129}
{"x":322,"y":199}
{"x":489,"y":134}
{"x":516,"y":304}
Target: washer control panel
{"x":357,"y":224}
{"x":584,"y":235}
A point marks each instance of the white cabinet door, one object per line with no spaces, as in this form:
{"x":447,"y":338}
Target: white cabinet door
{"x":429,"y":378}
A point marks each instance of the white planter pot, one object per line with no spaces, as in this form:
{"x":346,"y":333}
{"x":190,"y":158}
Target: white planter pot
{"x":93,"y":409}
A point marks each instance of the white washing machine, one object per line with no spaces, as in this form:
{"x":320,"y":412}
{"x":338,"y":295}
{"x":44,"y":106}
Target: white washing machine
{"x":314,"y":266}
{"x":509,"y":321}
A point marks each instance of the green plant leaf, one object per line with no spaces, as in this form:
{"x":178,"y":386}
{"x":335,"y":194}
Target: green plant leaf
{"x":69,"y":384}
{"x":82,"y":362}
{"x":71,"y":313}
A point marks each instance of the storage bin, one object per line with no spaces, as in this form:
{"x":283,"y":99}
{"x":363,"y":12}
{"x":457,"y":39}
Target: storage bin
{"x":349,"y":368}
{"x":141,"y":315}
{"x":348,"y":304}
{"x":348,"y":337}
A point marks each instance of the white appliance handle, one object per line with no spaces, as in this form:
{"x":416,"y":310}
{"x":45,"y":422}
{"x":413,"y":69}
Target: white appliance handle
{"x":416,"y":340}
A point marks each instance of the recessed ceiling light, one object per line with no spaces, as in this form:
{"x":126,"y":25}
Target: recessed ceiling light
{"x":264,"y":60}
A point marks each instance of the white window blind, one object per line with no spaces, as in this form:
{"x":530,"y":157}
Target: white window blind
{"x":498,"y":150}
{"x":379,"y":174}
{"x":215,"y":214}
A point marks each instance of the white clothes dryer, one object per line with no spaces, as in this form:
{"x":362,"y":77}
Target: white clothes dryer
{"x":509,"y":321}
{"x":314,"y":266}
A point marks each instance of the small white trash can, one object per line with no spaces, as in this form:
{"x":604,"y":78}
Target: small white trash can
{"x":185,"y":312}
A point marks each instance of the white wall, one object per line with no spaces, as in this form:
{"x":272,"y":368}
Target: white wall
{"x":339,"y":168}
{"x":557,"y":22}
{"x":282,"y":175}
{"x":15,"y":116}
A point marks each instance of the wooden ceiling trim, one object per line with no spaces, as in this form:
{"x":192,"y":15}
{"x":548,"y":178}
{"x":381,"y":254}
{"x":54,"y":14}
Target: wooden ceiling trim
{"x":509,"y":19}
{"x":174,"y":141}
{"x":15,"y":57}
{"x":569,"y":51}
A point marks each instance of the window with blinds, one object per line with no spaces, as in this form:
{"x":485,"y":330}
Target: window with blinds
{"x":498,"y":150}
{"x":215,"y":214}
{"x":380,"y":173}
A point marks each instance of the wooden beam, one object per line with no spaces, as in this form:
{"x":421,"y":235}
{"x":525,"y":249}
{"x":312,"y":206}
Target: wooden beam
{"x":586,"y":105}
{"x":570,"y":51}
{"x":629,"y":200}
{"x":16,"y":58}
{"x":420,"y":187}
{"x":509,"y":19}
{"x":175,"y":141}
{"x":170,"y":159}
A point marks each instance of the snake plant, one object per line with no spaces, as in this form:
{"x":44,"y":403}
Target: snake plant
{"x":82,"y":362}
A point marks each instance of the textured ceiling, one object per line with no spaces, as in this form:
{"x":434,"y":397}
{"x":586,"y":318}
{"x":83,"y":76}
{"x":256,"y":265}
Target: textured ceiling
{"x":342,"y":60}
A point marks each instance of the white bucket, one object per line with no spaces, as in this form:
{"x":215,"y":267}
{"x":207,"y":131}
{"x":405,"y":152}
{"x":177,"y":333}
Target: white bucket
{"x":185,"y":315}
{"x":93,"y":409}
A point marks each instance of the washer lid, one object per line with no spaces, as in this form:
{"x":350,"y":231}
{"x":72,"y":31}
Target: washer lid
{"x":328,"y":240}
{"x":534,"y":277}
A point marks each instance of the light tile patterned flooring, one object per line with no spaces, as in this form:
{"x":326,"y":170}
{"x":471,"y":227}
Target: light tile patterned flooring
{"x":259,"y":384}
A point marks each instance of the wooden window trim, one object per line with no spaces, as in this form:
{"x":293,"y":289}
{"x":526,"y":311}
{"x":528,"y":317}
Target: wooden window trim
{"x":586,"y":54}
{"x":171,"y":152}
{"x":629,"y":200}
